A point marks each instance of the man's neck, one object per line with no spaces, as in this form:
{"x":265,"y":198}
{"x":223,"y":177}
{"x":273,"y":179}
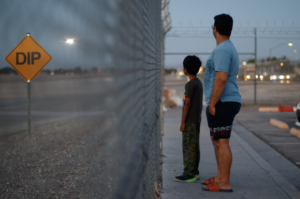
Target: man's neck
{"x":221,"y":39}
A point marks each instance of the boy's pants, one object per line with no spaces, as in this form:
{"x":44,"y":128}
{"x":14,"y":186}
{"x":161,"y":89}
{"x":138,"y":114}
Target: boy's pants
{"x":191,"y":148}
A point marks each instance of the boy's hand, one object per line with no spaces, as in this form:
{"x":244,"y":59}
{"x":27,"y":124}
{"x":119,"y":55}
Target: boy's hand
{"x":212,"y":110}
{"x":182,"y":127}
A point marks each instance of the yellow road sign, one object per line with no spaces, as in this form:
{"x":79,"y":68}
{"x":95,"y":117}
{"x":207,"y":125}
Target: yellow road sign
{"x":28,"y":58}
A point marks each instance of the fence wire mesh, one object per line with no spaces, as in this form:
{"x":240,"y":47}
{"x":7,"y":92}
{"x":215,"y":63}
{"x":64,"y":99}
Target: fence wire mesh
{"x":96,"y":128}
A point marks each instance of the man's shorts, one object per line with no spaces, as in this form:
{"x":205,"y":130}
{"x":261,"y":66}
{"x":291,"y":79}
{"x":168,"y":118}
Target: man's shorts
{"x":220,"y":125}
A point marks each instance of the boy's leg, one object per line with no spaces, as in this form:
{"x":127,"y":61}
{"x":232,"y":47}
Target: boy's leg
{"x":188,"y":153}
{"x":189,"y":148}
{"x":185,"y":149}
{"x":197,"y":149}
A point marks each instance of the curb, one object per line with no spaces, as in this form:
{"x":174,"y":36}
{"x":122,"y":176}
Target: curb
{"x":279,"y":124}
{"x":268,"y":109}
{"x":295,"y":132}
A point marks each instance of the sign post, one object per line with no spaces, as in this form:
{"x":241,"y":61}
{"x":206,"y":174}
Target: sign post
{"x":29,"y":108}
{"x":28,"y":58}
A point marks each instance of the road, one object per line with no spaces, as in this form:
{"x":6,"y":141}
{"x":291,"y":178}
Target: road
{"x":54,"y":98}
{"x":268,"y":93}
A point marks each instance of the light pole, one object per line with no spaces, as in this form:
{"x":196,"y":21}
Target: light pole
{"x":289,"y":44}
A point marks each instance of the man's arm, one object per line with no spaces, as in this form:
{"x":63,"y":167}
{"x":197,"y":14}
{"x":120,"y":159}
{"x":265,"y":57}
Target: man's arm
{"x":218,"y":88}
{"x":186,"y":110}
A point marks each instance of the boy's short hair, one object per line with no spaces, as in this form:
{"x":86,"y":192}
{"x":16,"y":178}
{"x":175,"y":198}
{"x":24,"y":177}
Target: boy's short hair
{"x":192,"y":64}
{"x":224,"y":24}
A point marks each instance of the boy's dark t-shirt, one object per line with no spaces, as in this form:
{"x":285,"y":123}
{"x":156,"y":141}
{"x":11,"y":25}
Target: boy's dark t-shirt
{"x":194,"y":90}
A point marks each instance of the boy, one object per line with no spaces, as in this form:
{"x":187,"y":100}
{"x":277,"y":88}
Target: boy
{"x":191,"y":118}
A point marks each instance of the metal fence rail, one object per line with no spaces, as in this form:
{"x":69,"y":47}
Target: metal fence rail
{"x":114,"y":112}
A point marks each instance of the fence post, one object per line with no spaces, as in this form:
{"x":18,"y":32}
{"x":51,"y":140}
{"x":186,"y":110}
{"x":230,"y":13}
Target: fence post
{"x":255,"y":56}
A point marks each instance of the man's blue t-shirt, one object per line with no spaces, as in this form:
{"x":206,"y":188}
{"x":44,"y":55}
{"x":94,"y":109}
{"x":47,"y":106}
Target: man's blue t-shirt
{"x":224,"y":58}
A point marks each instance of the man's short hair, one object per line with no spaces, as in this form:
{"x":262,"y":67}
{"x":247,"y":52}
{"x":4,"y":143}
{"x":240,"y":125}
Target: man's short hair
{"x":224,"y":24}
{"x":192,"y":64}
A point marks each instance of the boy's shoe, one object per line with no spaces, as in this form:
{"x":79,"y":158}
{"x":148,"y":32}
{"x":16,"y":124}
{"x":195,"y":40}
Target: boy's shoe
{"x":197,"y":177}
{"x":186,"y":178}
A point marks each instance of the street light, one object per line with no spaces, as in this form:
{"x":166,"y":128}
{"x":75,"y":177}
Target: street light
{"x":70,"y":41}
{"x":289,"y":44}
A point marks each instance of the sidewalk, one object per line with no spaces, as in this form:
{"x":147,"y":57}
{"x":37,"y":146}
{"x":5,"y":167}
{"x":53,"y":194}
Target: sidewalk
{"x":251,"y":176}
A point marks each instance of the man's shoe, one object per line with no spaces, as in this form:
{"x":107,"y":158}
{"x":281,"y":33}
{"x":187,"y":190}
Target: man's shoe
{"x":197,"y":177}
{"x":185,"y":178}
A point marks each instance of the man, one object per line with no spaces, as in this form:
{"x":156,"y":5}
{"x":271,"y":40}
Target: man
{"x":223,"y":100}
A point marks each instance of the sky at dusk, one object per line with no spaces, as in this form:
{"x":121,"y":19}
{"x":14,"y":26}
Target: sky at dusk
{"x":51,"y":22}
{"x":245,"y":13}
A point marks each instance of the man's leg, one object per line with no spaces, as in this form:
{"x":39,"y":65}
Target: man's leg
{"x":225,"y":161}
{"x":216,"y":147}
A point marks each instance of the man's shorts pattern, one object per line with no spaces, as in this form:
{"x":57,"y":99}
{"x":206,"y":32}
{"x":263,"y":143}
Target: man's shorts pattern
{"x":220,"y":125}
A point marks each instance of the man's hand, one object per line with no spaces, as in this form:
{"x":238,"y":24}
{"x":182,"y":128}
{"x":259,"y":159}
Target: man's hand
{"x":212,"y":110}
{"x":182,"y":127}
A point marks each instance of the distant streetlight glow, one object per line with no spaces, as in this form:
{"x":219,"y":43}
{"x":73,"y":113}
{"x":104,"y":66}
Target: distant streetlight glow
{"x":261,"y":77}
{"x":281,"y":77}
{"x":281,"y":64}
{"x":70,"y":41}
{"x":270,"y":57}
{"x":295,"y":51}
{"x":244,"y":63}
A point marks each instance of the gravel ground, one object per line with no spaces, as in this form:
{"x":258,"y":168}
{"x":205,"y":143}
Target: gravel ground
{"x":61,"y":160}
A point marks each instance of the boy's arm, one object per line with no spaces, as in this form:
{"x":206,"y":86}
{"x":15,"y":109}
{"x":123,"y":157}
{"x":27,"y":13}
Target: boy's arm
{"x":186,"y":110}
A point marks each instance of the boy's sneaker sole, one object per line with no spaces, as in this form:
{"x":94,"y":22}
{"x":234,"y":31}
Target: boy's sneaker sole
{"x":189,"y":180}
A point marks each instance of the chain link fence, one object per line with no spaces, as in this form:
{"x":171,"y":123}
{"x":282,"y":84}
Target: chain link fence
{"x":96,"y":131}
